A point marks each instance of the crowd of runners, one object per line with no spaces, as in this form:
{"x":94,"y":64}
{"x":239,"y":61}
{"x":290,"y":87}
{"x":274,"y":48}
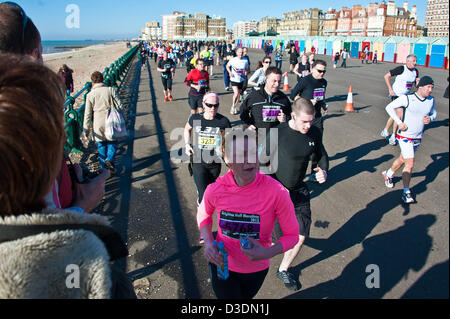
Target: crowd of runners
{"x":262,"y":204}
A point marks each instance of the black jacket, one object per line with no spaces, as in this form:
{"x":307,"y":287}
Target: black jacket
{"x":260,"y":109}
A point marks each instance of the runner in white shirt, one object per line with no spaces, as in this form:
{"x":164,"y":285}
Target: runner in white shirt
{"x":405,"y":77}
{"x":419,"y":110}
{"x":237,"y":68}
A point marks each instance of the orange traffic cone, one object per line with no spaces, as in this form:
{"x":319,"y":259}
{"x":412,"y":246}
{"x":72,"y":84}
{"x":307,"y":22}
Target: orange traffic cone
{"x":349,"y":104}
{"x":286,"y":83}
{"x":218,"y":61}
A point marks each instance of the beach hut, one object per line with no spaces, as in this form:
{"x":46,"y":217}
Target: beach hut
{"x":390,"y":47}
{"x":337,"y":44}
{"x":421,"y":50}
{"x":404,"y":48}
{"x":322,"y":46}
{"x":354,"y":47}
{"x":439,"y":54}
{"x":378,"y":45}
{"x":302,"y":45}
{"x":329,"y":45}
{"x":308,"y":45}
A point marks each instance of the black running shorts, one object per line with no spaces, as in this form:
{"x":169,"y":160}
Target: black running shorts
{"x":195,"y":102}
{"x":301,"y":200}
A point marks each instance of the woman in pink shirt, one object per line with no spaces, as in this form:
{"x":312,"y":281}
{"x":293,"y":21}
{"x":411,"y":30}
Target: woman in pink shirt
{"x":247,"y":203}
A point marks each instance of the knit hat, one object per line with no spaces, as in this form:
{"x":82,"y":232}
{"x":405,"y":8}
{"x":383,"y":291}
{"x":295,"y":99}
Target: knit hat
{"x":425,"y":80}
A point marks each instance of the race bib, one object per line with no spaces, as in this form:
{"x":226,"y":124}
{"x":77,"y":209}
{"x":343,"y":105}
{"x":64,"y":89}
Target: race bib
{"x":239,"y":72}
{"x":237,"y":225}
{"x":319,"y":94}
{"x":270,"y":113}
{"x":409,"y":85}
{"x":209,"y":138}
{"x":202,"y":83}
{"x":167,"y":66}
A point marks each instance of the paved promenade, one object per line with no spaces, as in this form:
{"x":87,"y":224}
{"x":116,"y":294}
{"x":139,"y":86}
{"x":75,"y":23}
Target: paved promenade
{"x":356,"y":222}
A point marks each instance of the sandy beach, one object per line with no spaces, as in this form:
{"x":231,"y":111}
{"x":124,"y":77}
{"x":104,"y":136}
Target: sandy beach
{"x":86,"y":60}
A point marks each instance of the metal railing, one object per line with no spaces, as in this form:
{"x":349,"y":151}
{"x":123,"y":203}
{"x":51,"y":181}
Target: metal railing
{"x":74,"y":117}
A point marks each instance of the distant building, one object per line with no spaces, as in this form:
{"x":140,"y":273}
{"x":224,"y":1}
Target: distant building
{"x":241,"y":28}
{"x":400,"y":21}
{"x":330,"y":24}
{"x":169,"y":25}
{"x":304,"y":22}
{"x":359,"y":21}
{"x":344,"y":22}
{"x":152,"y":31}
{"x":436,"y":18}
{"x":268,"y":24}
{"x":376,"y":18}
{"x":199,"y":26}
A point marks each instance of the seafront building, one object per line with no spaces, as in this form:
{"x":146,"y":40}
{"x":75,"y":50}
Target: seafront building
{"x":436,"y":18}
{"x":198,"y":26}
{"x":241,"y":28}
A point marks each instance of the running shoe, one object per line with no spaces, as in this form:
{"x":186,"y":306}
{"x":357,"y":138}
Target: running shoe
{"x":166,"y":99}
{"x":393,"y":140}
{"x":202,"y":241}
{"x":170,"y":98}
{"x":407,"y":198}
{"x":233,"y":110}
{"x":387,"y":180}
{"x":288,"y":280}
{"x":385,"y":134}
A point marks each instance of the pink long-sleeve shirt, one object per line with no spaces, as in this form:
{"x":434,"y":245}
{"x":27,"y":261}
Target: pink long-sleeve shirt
{"x":249,"y":211}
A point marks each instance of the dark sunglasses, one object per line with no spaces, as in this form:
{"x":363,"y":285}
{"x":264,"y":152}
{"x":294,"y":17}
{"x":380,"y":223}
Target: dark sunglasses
{"x":266,"y":62}
{"x":322,"y":71}
{"x":212,"y":105}
{"x":24,"y":19}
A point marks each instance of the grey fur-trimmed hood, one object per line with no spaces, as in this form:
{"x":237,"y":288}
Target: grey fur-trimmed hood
{"x":50,"y":265}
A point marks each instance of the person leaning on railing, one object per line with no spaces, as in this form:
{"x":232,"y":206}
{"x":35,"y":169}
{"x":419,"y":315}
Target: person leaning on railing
{"x":46,"y":252}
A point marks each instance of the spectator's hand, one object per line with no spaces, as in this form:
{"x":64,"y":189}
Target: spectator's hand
{"x":84,"y":139}
{"x":89,"y":195}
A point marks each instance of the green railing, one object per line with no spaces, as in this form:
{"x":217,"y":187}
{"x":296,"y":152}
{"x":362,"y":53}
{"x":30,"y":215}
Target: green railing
{"x":112,"y":75}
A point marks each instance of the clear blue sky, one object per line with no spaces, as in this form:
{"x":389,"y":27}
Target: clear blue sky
{"x":119,"y":19}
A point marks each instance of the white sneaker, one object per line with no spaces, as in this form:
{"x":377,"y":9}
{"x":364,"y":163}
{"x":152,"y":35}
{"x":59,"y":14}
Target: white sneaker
{"x":384,"y":133}
{"x":387,"y":180}
{"x":233,"y":110}
{"x":407,"y":198}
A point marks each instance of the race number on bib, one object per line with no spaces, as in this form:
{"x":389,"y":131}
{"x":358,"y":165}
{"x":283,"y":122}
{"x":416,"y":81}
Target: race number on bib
{"x":270,"y":113}
{"x":319,"y":94}
{"x":237,"y":225}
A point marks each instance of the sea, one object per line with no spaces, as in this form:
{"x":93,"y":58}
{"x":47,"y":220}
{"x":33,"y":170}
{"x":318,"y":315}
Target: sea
{"x":62,"y":46}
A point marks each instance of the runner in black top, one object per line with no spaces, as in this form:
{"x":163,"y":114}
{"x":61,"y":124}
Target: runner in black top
{"x":267,"y":107}
{"x":297,"y":141}
{"x":167,"y":68}
{"x":207,"y":128}
{"x":313,"y":87}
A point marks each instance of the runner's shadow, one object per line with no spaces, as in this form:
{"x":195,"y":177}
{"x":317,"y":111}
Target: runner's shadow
{"x":385,"y":260}
{"x":352,"y":166}
{"x":432,"y":284}
{"x":355,"y":230}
